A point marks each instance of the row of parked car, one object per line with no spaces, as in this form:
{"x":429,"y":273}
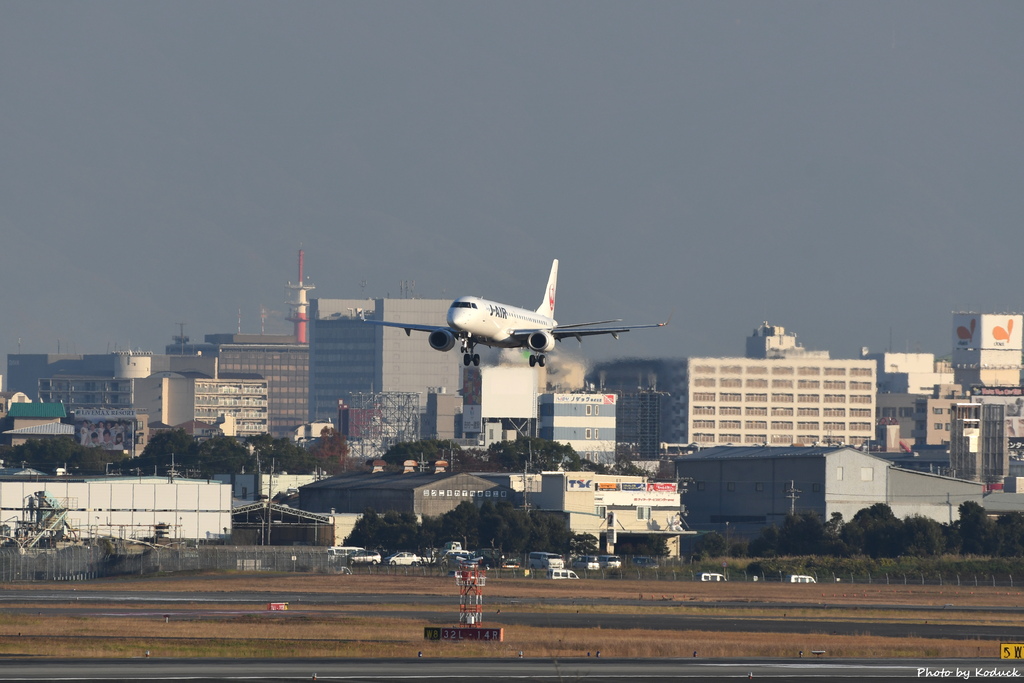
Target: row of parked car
{"x":596,"y":562}
{"x":487,"y":558}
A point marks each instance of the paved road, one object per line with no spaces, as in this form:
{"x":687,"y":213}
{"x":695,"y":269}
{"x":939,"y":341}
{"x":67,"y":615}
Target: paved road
{"x":492,"y":670}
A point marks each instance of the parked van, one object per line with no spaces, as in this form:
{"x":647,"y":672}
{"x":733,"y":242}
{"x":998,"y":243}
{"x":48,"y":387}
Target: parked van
{"x":562,"y":574}
{"x":711,"y":576}
{"x":610,"y":561}
{"x":801,"y":578}
{"x":545,"y":561}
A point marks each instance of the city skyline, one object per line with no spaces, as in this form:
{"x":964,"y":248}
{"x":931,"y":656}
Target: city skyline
{"x":847,"y":170}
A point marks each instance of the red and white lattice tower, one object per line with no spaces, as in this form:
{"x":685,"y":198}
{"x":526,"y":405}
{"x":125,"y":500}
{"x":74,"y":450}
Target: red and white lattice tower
{"x":299,"y":304}
{"x":471,"y":579}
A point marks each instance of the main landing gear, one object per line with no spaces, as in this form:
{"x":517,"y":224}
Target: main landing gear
{"x":468,"y":356}
{"x":537,"y":360}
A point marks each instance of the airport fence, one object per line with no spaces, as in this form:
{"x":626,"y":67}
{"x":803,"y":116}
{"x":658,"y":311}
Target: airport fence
{"x":80,"y":563}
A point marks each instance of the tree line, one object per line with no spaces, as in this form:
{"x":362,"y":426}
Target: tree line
{"x":176,"y":452}
{"x":876,"y":532}
{"x":501,"y":526}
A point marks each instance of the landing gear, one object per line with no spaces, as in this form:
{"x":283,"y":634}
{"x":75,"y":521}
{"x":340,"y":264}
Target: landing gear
{"x":537,"y":360}
{"x":468,"y":356}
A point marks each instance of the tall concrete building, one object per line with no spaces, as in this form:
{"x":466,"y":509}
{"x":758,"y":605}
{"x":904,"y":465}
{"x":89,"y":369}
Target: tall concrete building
{"x":977,"y":448}
{"x":277,"y":358}
{"x":348,"y":356}
{"x":909,"y":373}
{"x":584,"y":421}
{"x":779,"y":401}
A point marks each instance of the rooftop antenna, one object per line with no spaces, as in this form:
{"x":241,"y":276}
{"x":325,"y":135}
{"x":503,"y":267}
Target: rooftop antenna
{"x":181,"y":338}
{"x":239,"y":320}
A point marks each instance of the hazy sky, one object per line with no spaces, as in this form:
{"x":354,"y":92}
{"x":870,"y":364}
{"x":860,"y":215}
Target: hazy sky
{"x":849,"y":170}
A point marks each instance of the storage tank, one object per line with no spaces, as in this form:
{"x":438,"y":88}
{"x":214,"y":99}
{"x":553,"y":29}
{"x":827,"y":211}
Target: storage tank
{"x":132,"y":365}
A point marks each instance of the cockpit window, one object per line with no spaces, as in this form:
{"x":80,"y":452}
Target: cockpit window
{"x":463,"y":304}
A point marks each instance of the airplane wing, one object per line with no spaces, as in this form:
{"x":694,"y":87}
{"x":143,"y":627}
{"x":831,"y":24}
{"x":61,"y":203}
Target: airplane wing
{"x":577,"y":332}
{"x":409,"y":327}
{"x":580,"y":330}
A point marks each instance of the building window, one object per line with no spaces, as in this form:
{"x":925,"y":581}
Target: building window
{"x":595,"y":434}
{"x":730,"y":486}
{"x":839,"y":474}
{"x":643,"y":513}
{"x":816,"y":488}
{"x":782,"y":370}
{"x":782,"y":383}
{"x":589,"y":410}
{"x":759,"y":486}
{"x":601,"y":510}
{"x":587,"y":434}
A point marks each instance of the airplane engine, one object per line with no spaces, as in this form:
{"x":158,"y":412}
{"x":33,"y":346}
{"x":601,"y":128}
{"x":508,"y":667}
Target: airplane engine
{"x":541,"y":342}
{"x":442,"y":340}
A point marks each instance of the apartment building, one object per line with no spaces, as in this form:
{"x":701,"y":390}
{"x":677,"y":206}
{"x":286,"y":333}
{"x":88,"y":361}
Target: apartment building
{"x":779,"y":401}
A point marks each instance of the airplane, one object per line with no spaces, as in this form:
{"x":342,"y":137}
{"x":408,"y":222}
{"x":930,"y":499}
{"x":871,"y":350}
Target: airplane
{"x":472,"y":321}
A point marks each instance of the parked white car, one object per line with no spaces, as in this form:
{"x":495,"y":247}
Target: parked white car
{"x":364,"y":557}
{"x":610,"y":561}
{"x":586,"y":562}
{"x":404,"y":558}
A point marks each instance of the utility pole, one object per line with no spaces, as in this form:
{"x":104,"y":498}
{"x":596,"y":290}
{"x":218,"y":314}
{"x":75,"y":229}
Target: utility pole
{"x":791,"y":493}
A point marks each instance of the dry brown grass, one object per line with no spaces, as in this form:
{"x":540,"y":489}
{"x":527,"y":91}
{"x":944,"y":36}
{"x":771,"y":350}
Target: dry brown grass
{"x":363,"y":637}
{"x":237,"y":630}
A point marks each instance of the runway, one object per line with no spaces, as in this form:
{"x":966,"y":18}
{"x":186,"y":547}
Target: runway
{"x":496,"y":670}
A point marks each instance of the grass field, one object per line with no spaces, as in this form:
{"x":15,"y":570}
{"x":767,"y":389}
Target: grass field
{"x":228,"y":630}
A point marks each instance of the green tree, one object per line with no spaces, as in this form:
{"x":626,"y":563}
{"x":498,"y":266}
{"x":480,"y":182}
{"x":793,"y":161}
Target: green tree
{"x":49,"y":454}
{"x":536,"y":455}
{"x":976,"y":531}
{"x":922,"y":537}
{"x":802,"y":534}
{"x":711,"y":544}
{"x":163,"y":447}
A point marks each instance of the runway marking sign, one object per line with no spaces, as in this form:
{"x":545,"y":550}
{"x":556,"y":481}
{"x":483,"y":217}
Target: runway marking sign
{"x":455,"y":633}
{"x":1011,"y":651}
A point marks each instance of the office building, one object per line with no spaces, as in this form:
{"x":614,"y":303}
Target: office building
{"x":277,"y":358}
{"x":584,"y":421}
{"x":348,"y":356}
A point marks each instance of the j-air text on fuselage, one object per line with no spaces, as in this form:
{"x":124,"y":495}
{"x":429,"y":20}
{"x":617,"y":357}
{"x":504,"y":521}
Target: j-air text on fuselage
{"x":472,"y":321}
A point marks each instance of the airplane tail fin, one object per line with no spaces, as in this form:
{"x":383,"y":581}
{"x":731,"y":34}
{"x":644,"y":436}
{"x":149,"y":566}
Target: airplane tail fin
{"x":547,"y":306}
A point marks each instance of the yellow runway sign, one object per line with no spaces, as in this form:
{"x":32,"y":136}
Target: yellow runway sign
{"x":1011,"y":651}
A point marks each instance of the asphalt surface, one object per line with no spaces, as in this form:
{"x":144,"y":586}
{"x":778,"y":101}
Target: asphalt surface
{"x":498,"y":670}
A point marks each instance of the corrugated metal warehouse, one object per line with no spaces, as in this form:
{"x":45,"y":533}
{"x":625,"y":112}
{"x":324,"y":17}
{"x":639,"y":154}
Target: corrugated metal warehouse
{"x":421,"y":494}
{"x":127,"y":507}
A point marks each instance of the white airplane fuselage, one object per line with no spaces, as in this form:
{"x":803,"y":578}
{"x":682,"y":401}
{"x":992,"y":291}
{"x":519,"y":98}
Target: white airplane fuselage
{"x":493,"y":323}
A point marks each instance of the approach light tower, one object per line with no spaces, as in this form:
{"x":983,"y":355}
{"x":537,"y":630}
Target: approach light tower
{"x":300,"y":304}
